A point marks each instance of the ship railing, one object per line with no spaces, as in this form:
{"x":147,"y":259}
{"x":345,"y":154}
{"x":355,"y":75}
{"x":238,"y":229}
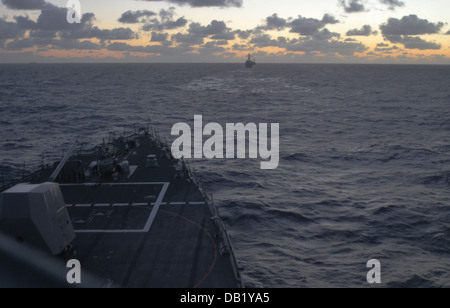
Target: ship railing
{"x":225,"y":238}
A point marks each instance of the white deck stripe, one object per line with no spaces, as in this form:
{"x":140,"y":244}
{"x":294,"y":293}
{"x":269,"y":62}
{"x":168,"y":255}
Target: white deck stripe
{"x":150,"y":219}
{"x":152,"y":216}
{"x":109,"y":231}
{"x":120,"y":204}
{"x":139,"y":204}
{"x":134,"y":204}
{"x":114,"y":184}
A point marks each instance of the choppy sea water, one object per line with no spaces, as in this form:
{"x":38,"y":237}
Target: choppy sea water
{"x":364,"y":171}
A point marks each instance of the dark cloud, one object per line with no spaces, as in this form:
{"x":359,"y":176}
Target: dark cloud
{"x":159,"y":37}
{"x":352,"y":6}
{"x":102,"y":34}
{"x":275,"y":23}
{"x":9,"y":30}
{"x":333,"y":47}
{"x":196,"y":33}
{"x":188,"y":39}
{"x":51,"y":30}
{"x":205,"y":3}
{"x":133,"y":17}
{"x":410,"y":25}
{"x":241,"y":47}
{"x":214,"y":28}
{"x":382,"y":45}
{"x":166,"y":21}
{"x":393,"y":3}
{"x":448,"y":33}
{"x":366,"y":30}
{"x":43,"y":33}
{"x":211,"y":48}
{"x":52,"y":18}
{"x":413,"y":42}
{"x":227,"y":36}
{"x":152,"y":49}
{"x":244,"y":34}
{"x":25,"y":4}
{"x":300,"y":25}
{"x":329,"y":20}
{"x":320,"y":42}
{"x":309,"y":26}
{"x":264,"y":40}
{"x":165,"y":25}
{"x":325,"y":34}
{"x":386,"y":49}
{"x":49,"y":43}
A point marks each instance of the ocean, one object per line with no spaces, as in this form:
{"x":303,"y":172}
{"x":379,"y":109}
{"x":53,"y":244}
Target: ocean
{"x":364,"y":169}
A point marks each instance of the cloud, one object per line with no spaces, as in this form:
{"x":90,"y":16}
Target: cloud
{"x":101,"y":34}
{"x":301,"y":25}
{"x":9,"y":30}
{"x":386,"y":49}
{"x":214,"y":28}
{"x":49,"y":43}
{"x":51,"y":30}
{"x":364,"y":31}
{"x":196,"y":33}
{"x":133,"y":17}
{"x":311,"y":46}
{"x":448,"y":33}
{"x":410,"y":25}
{"x":329,"y":19}
{"x":52,"y":18}
{"x":393,"y":3}
{"x":275,"y":23}
{"x":166,"y":21}
{"x":243,"y":34}
{"x":205,"y":3}
{"x":413,"y":42}
{"x":165,"y":25}
{"x":310,"y":26}
{"x":320,"y":42}
{"x":352,"y":6}
{"x":25,"y":4}
{"x":159,"y":37}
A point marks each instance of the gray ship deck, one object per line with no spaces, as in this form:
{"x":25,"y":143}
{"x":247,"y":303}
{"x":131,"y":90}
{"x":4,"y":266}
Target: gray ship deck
{"x":150,"y":227}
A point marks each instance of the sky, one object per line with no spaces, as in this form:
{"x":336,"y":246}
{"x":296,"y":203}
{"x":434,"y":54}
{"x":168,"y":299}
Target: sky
{"x":281,"y":31}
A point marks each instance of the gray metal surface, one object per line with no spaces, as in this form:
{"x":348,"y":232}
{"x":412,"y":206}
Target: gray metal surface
{"x":151,"y":226}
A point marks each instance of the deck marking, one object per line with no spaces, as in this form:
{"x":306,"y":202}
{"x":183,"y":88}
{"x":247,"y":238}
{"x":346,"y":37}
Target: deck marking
{"x":155,"y":209}
{"x":109,"y":231}
{"x":197,"y":203}
{"x":150,"y":219}
{"x":102,"y":204}
{"x":177,"y":203}
{"x":121,"y":204}
{"x":132,"y":170}
{"x":84,"y":205}
{"x":114,"y":184}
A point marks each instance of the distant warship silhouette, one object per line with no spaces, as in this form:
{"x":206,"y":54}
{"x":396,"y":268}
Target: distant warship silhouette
{"x":250,"y":63}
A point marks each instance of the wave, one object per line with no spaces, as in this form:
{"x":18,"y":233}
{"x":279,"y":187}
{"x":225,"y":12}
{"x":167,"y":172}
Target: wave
{"x":296,"y":157}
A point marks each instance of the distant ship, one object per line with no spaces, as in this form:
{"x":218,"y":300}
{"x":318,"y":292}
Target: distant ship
{"x":250,"y":63}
